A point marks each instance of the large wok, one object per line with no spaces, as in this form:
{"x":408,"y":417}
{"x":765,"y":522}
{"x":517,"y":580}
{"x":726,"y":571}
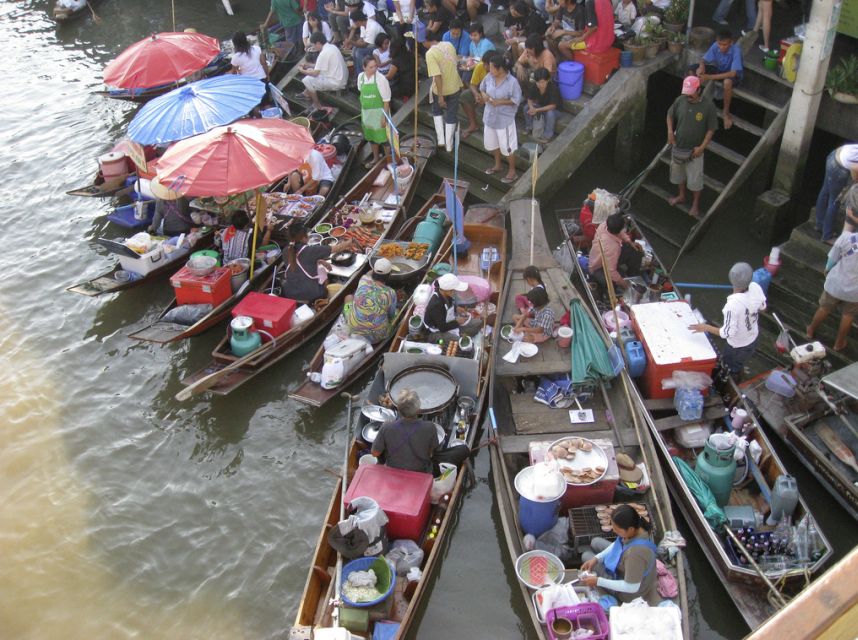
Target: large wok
{"x":407,"y":268}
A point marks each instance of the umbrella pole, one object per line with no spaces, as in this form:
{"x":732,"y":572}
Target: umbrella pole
{"x":173,"y":7}
{"x":255,"y":230}
{"x":612,"y":296}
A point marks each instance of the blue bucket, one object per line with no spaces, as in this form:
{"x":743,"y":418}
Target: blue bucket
{"x":763,"y":278}
{"x":570,"y":79}
{"x":626,"y":59}
{"x":363,"y":564}
{"x":537,"y":514}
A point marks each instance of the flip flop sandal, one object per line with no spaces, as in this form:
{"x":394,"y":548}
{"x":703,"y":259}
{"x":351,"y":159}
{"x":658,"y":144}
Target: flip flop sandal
{"x":507,"y":180}
{"x":491,"y":171}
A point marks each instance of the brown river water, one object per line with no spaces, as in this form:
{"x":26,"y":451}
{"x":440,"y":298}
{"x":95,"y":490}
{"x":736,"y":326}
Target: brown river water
{"x":124,"y":514}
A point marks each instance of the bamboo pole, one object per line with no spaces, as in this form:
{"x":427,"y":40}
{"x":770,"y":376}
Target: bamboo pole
{"x":533,"y":173}
{"x":416,"y":83}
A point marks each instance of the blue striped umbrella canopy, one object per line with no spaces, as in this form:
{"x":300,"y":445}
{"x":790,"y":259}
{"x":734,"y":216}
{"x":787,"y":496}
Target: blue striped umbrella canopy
{"x":195,"y":108}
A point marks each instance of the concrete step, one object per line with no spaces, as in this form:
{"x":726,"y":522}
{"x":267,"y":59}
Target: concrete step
{"x":726,"y":153}
{"x":480,"y":188}
{"x":756,"y":99}
{"x":806,"y":248}
{"x":672,"y":224}
{"x":744,"y":125}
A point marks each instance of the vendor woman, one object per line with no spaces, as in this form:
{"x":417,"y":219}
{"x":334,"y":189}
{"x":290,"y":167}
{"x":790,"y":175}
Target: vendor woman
{"x":440,"y":318}
{"x":305,"y":278}
{"x":625,"y":568}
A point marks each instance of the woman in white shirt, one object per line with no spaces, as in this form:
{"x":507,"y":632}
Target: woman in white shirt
{"x":248,"y":60}
{"x":312,"y":24}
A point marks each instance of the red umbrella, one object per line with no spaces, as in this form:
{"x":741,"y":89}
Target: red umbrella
{"x":239,"y":157}
{"x":160,"y":59}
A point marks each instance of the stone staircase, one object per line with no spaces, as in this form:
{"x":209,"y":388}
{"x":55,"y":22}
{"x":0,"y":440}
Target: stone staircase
{"x":731,"y":159}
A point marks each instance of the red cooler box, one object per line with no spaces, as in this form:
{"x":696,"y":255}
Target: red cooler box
{"x":598,"y":66}
{"x":212,"y":289}
{"x":403,"y":495}
{"x":272,"y":314}
{"x":600,"y":492}
{"x":670,"y":345}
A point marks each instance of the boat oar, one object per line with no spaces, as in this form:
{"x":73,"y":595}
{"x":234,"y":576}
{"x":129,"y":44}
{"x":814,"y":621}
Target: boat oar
{"x":213,"y":378}
{"x":95,"y":17}
{"x":701,"y":285}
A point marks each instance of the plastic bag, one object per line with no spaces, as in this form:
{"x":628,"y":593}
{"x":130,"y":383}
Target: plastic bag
{"x":443,"y":483}
{"x":140,"y":242}
{"x":687,"y":379}
{"x":405,"y":556}
{"x":554,"y":597}
{"x":187,"y":314}
{"x":607,"y":204}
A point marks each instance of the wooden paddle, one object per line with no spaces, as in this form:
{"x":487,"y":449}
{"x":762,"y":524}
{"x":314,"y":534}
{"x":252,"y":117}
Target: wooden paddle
{"x":213,"y":378}
{"x":95,"y":18}
{"x":837,"y":446}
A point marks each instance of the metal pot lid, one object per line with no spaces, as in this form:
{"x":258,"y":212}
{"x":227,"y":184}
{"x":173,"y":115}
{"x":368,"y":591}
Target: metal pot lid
{"x":435,"y":386}
{"x":370,"y":431}
{"x":378,"y":413}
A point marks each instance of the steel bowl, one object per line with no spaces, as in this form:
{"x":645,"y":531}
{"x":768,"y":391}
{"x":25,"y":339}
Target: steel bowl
{"x":377,"y":413}
{"x":370,"y":431}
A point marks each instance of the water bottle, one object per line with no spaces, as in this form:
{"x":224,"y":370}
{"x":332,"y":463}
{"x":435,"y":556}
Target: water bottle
{"x":688,"y":403}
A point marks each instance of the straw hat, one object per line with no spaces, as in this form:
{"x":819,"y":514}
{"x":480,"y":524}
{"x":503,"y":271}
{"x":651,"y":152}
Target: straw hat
{"x":629,"y":472}
{"x":161,"y":192}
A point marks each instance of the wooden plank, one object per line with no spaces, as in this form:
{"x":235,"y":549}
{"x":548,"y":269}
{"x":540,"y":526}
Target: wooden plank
{"x":666,"y":404}
{"x":753,"y":98}
{"x":726,"y":153}
{"x":827,"y":608}
{"x":521,"y":444}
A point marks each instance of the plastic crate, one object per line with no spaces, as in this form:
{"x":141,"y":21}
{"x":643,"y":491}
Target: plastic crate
{"x":587,"y":615}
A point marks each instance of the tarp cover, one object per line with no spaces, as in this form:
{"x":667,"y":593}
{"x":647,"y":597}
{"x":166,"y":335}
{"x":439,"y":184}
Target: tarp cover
{"x":590,"y":362}
{"x":363,"y":533}
{"x":714,"y":514}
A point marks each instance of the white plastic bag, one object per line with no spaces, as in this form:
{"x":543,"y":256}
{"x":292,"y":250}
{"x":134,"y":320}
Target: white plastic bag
{"x":443,"y":483}
{"x":405,"y":556}
{"x":554,"y":597}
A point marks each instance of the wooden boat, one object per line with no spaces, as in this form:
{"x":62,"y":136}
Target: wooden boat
{"x":107,"y":282}
{"x":101,"y":188}
{"x":748,"y":586}
{"x":525,"y":426}
{"x":163,"y":331}
{"x":233,"y":371}
{"x":822,"y":403}
{"x":472,"y":375}
{"x":313,"y":393}
{"x":67,"y":12}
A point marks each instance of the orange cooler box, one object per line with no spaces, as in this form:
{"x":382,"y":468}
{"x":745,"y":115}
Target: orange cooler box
{"x":271,"y":314}
{"x":598,"y":66}
{"x":402,"y":495}
{"x":670,"y":345}
{"x":212,"y":289}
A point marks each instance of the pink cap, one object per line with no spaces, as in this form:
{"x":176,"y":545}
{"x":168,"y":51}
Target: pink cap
{"x":690,"y":85}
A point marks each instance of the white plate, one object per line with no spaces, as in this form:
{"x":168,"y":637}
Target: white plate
{"x":527,"y":349}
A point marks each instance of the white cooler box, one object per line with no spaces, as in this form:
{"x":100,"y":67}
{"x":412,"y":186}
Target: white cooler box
{"x":151,"y":260}
{"x":341,"y":358}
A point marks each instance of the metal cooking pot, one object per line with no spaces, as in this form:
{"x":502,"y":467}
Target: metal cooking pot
{"x":344,"y":259}
{"x":370,"y":431}
{"x":435,"y":386}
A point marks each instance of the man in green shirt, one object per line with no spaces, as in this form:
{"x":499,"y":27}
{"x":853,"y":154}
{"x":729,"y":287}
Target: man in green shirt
{"x":289,"y":14}
{"x":691,"y":123}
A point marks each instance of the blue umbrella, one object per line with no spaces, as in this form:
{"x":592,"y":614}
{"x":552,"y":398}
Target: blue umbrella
{"x":195,"y":108}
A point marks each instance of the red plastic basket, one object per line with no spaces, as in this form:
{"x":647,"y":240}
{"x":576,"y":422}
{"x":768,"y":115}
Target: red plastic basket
{"x":588,"y":615}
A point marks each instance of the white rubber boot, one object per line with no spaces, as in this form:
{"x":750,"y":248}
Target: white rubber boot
{"x":451,"y":135}
{"x":439,"y":129}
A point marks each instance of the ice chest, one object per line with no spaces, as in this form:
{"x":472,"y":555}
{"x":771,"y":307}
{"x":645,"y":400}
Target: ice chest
{"x":598,"y":66}
{"x":601,"y":492}
{"x":271,"y":314}
{"x":146,"y":263}
{"x":403,"y":495}
{"x":669,"y":344}
{"x":213,"y":289}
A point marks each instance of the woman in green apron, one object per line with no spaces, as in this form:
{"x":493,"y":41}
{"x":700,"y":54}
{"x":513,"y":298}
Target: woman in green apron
{"x":374,"y":103}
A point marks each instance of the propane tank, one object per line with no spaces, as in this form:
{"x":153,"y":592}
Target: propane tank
{"x":431,"y":230}
{"x":243,"y":339}
{"x":716,"y":467}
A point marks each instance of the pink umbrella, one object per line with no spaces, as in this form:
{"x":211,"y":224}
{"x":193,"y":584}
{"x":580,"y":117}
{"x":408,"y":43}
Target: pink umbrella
{"x":239,"y":157}
{"x":160,"y":59}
